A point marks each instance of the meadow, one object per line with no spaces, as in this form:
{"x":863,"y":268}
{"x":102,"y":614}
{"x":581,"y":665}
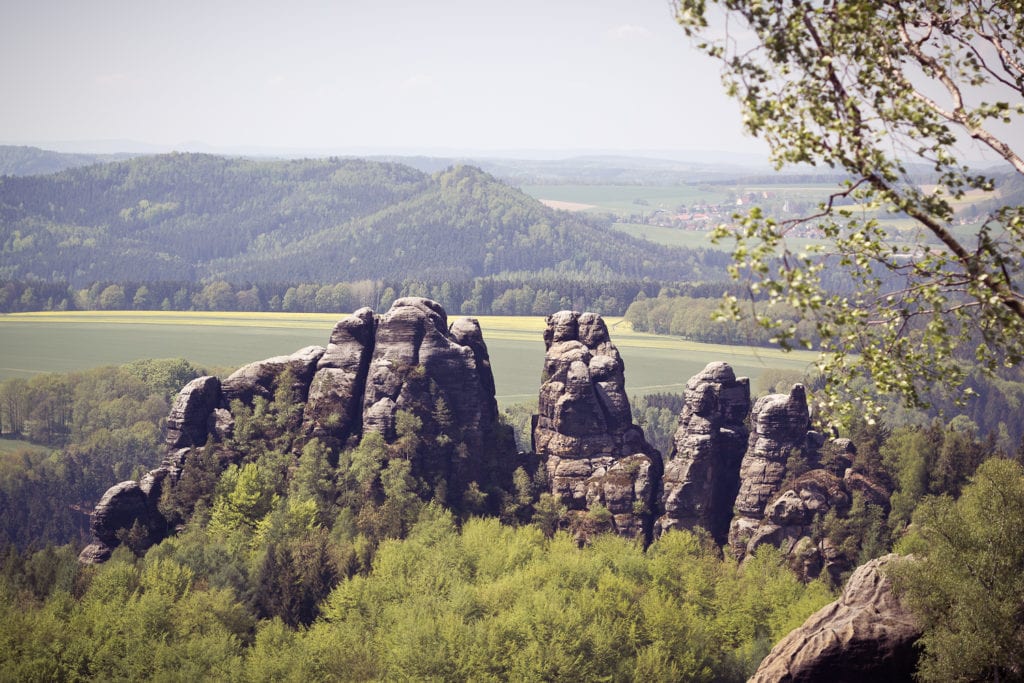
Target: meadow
{"x":696,"y":239}
{"x":32,"y":343}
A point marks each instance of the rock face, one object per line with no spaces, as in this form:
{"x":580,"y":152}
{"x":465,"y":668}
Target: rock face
{"x":865,"y":635}
{"x":781,"y":429}
{"x":187,"y":423}
{"x":261,"y":378}
{"x":334,"y":409}
{"x":375,"y":371}
{"x":593,"y":454}
{"x":702,"y":473}
{"x":442,"y":377}
{"x":120,"y":508}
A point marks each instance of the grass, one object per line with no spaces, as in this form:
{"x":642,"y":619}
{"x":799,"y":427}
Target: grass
{"x":33,"y":343}
{"x":671,"y":237}
{"x":9,"y":446}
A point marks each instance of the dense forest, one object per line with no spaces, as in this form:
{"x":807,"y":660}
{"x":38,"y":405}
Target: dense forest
{"x":186,"y":217}
{"x":25,"y":161}
{"x":306,"y":561}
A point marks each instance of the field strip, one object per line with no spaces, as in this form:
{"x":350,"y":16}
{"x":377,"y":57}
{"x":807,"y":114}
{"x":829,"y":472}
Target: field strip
{"x":495,"y":328}
{"x":566,"y":206}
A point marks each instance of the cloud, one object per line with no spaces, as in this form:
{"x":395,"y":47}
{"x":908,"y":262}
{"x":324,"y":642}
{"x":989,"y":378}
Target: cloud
{"x":629,"y":32}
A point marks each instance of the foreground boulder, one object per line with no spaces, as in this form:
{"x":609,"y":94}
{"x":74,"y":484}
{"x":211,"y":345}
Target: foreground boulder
{"x":866,"y":635}
{"x":596,"y":460}
{"x":702,"y":473}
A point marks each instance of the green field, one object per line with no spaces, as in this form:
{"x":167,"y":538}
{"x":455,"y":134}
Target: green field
{"x":695,"y":239}
{"x":61,"y":342}
{"x":671,"y":237}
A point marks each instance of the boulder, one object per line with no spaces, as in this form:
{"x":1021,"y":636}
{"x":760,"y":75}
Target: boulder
{"x":121,"y":507}
{"x":866,"y":635}
{"x":702,"y":473}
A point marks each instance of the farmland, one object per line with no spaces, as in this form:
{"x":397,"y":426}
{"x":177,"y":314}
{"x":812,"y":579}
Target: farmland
{"x":629,"y":199}
{"x":66,"y":341}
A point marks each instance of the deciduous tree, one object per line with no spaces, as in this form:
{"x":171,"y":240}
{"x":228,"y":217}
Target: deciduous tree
{"x":899,"y":96}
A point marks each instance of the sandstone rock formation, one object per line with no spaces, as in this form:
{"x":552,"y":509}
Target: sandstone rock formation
{"x":118,"y":509}
{"x":702,"y":473}
{"x":443,"y":378}
{"x":865,"y":635}
{"x":375,"y":368}
{"x":781,"y":429}
{"x":593,"y":454}
{"x":334,"y":407}
{"x":428,"y":387}
{"x":261,"y":378}
{"x":187,"y":423}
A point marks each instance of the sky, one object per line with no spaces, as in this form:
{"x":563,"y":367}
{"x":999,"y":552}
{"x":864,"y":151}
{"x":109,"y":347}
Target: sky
{"x":367,"y":76}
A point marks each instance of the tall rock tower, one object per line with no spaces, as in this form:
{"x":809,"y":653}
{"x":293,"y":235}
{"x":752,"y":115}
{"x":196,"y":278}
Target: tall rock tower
{"x":702,"y":475}
{"x":596,"y":460}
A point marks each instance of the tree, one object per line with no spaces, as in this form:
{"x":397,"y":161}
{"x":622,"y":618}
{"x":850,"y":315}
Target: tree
{"x":966,"y":583}
{"x":112,"y":298}
{"x":896,"y":96}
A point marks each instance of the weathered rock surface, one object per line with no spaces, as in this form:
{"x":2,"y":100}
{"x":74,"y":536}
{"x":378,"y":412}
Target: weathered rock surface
{"x":373,"y":367}
{"x":188,"y":421}
{"x":791,"y":519}
{"x":409,"y":370}
{"x":865,"y":635}
{"x":702,"y":474}
{"x":443,"y":377}
{"x":261,"y":378}
{"x":781,"y":428}
{"x":120,"y":508}
{"x":584,"y":431}
{"x":415,"y":351}
{"x":334,"y":409}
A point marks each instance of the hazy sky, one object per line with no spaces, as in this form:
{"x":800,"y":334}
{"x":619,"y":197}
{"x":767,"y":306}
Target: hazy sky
{"x":372,"y":75}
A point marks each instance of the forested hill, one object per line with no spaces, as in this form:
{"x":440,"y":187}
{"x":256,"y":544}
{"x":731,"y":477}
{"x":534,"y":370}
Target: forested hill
{"x":22,"y":160}
{"x":189,"y":217}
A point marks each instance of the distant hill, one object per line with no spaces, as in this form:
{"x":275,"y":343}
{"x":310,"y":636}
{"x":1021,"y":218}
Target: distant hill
{"x":22,"y":161}
{"x":604,"y":169}
{"x":190,"y":217}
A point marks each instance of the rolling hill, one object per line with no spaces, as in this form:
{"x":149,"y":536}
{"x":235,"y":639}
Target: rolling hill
{"x":196,"y":217}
